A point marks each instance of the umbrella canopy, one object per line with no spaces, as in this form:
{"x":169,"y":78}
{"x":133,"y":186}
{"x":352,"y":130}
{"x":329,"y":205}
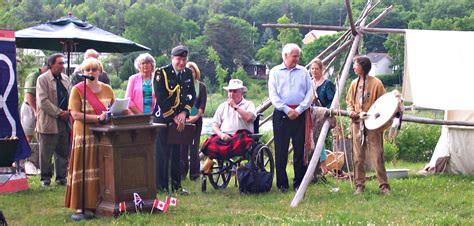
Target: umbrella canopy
{"x":70,"y":34}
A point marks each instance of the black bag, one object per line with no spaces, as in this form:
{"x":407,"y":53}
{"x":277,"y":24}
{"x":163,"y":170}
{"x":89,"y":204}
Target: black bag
{"x":253,"y":181}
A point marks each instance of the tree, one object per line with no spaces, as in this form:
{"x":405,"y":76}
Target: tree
{"x":195,"y":12}
{"x":198,"y":50}
{"x":232,"y":38}
{"x":288,"y":35}
{"x":395,"y":46}
{"x":105,"y":14}
{"x":155,"y":27}
{"x":221,"y":73}
{"x":270,"y":53}
{"x":311,"y":50}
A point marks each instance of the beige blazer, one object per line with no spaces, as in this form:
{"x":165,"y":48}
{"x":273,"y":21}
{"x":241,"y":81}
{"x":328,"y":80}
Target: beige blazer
{"x":47,"y":102}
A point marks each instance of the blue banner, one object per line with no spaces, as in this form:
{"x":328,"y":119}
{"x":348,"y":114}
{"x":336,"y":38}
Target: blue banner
{"x":10,"y":126}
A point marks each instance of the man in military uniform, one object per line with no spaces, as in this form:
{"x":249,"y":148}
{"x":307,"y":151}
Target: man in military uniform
{"x":175,"y":95}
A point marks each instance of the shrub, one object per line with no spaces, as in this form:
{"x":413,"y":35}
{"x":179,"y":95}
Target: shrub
{"x":390,"y":151}
{"x":390,"y":80}
{"x":416,"y":142}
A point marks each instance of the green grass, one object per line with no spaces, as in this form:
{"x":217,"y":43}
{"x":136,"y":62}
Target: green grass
{"x":439,"y":199}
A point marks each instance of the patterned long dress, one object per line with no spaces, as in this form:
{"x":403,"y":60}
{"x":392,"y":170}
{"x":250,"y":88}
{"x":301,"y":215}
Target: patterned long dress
{"x":74,"y":193}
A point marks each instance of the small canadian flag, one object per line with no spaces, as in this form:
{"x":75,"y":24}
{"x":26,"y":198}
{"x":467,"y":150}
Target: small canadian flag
{"x":173,"y":201}
{"x":122,"y":207}
{"x":162,"y":206}
{"x":155,"y":205}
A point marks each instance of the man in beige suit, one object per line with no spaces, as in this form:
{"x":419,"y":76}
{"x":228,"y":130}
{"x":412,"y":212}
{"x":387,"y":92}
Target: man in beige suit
{"x":52,"y":96}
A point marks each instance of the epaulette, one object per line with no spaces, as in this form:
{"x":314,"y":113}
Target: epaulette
{"x":157,"y":74}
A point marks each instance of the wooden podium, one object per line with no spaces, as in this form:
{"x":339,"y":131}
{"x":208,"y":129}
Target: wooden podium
{"x":126,"y":155}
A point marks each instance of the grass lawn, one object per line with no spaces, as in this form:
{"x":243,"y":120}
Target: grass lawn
{"x":418,"y":200}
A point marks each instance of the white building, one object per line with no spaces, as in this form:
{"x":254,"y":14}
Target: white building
{"x":381,"y":64}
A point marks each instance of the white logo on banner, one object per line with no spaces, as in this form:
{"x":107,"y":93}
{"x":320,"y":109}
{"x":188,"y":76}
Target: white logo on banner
{"x":4,"y":96}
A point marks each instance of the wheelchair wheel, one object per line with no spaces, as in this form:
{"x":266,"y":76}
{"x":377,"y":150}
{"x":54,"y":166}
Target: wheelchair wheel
{"x":220,"y":174}
{"x":263,"y":159}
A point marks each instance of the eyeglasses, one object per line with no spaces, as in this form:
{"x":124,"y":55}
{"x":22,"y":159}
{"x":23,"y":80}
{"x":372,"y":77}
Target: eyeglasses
{"x":90,"y":69}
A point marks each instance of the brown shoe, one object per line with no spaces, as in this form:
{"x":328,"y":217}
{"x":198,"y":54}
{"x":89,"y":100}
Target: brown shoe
{"x":359,"y":190}
{"x":207,"y":166}
{"x":385,"y":189}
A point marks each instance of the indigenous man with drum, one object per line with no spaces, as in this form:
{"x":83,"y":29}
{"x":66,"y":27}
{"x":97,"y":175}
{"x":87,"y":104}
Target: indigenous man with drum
{"x":363,"y":92}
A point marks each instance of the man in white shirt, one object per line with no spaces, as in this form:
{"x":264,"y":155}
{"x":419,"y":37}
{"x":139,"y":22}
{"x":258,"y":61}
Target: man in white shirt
{"x":232,"y":117}
{"x":235,"y":114}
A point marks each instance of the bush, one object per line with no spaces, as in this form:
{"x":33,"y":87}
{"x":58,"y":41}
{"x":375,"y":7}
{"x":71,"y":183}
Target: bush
{"x":390,"y":80}
{"x":390,"y":151}
{"x":416,"y":142}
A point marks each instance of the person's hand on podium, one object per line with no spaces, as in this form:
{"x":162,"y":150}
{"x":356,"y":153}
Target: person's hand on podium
{"x":127,"y":112}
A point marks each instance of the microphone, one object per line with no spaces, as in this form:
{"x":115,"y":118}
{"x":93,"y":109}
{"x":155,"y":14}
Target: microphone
{"x":90,"y":77}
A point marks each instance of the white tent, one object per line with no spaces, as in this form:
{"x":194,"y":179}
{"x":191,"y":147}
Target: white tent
{"x":439,"y":75}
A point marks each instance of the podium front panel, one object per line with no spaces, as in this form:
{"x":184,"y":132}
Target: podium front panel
{"x":127,"y":166}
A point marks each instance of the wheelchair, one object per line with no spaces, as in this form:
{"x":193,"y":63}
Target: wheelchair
{"x":259,"y":155}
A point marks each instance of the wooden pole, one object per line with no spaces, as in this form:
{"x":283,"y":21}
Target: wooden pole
{"x":308,"y":177}
{"x":351,"y":19}
{"x":411,"y":118}
{"x":343,"y":36}
{"x":335,"y":28}
{"x":377,"y":20}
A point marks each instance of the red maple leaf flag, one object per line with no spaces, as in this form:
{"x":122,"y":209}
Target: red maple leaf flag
{"x":155,"y":204}
{"x":173,"y":201}
{"x":162,"y":206}
{"x":122,"y":207}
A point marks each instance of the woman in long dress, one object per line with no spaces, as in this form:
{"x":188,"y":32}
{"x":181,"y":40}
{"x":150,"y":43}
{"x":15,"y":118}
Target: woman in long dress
{"x":98,"y":97}
{"x":324,"y":91}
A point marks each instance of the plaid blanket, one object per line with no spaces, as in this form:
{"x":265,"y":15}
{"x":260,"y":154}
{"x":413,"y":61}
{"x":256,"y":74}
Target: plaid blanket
{"x":238,"y":145}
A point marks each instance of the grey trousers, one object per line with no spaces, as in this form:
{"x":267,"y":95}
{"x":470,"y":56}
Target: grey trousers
{"x":57,"y":144}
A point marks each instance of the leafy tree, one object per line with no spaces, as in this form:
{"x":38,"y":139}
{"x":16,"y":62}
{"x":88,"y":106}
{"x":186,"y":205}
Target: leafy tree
{"x":105,"y":14}
{"x":221,"y":73}
{"x":232,"y":38}
{"x":270,"y":53}
{"x":395,"y":46}
{"x":288,"y":35}
{"x":154,"y":27}
{"x":198,"y":51}
{"x":312,"y":49}
{"x":195,"y":12}
{"x":267,"y":11}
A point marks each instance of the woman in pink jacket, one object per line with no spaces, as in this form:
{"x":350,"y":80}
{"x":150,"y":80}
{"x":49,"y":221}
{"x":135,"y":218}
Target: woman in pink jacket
{"x":139,"y":90}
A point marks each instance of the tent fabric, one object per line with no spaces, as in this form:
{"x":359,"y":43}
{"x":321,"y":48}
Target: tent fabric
{"x":438,"y":69}
{"x":10,"y":126}
{"x":456,"y":142}
{"x":70,"y":29}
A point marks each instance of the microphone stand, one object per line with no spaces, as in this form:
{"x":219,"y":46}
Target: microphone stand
{"x":83,"y":215}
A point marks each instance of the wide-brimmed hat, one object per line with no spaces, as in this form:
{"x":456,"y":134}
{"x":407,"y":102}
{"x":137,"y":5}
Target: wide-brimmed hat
{"x":235,"y":84}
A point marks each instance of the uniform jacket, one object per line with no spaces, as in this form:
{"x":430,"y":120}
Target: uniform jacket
{"x":174,"y":93}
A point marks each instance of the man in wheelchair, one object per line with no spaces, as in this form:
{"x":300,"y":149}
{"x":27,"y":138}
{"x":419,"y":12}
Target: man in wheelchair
{"x":232,"y":123}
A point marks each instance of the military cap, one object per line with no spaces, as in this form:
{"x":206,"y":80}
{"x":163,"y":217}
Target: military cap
{"x":180,"y":50}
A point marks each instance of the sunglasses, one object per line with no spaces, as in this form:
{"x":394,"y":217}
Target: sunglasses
{"x":91,"y":69}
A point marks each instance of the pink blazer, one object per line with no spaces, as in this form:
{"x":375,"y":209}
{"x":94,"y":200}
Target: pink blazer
{"x":135,"y":92}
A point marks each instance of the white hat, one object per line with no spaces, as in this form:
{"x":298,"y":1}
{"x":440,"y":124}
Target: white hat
{"x":236,"y":84}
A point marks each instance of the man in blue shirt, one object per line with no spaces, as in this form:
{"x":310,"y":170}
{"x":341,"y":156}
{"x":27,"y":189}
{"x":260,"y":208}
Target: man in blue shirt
{"x":291,"y":93}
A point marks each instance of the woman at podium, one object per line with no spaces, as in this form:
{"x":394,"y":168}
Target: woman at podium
{"x":98,"y":97}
